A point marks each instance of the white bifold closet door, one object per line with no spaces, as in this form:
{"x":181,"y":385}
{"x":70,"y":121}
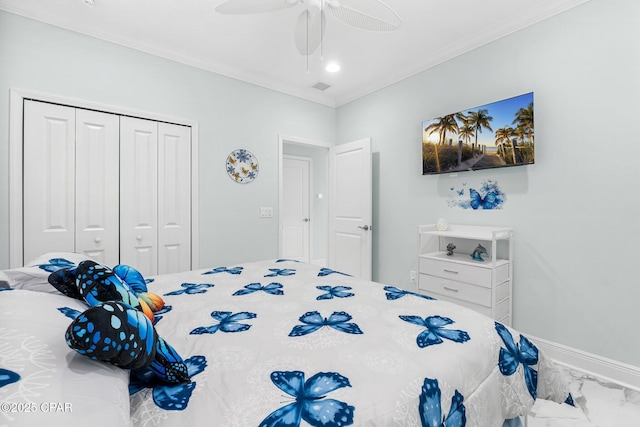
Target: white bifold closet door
{"x":70,"y":189}
{"x":113,"y":187}
{"x":155,"y":195}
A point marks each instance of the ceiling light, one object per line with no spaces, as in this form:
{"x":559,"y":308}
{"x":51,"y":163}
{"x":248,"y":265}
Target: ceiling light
{"x":332,"y":67}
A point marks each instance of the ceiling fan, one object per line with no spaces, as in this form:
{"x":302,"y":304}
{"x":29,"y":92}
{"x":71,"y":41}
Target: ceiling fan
{"x":372,"y":15}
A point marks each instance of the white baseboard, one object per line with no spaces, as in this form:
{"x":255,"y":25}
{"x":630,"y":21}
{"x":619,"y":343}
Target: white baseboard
{"x":597,"y":366}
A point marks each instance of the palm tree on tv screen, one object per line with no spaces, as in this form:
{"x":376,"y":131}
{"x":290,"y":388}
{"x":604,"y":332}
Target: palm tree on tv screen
{"x":479,"y":120}
{"x":524,"y":120}
{"x":441,"y":126}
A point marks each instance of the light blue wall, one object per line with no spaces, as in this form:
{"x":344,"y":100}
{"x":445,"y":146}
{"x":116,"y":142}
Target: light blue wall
{"x":575,"y":212}
{"x":231,"y":114}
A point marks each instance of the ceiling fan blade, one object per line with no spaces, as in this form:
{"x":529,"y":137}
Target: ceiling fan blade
{"x":372,"y":15}
{"x":245,"y":7}
{"x":309,"y":31}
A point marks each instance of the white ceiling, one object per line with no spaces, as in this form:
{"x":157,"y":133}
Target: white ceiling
{"x":260,"y":48}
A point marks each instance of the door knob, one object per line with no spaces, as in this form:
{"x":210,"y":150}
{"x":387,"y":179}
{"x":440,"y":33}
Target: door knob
{"x":365,"y":228}
{"x":306,"y":220}
{"x":139,"y":237}
{"x":97,"y":240}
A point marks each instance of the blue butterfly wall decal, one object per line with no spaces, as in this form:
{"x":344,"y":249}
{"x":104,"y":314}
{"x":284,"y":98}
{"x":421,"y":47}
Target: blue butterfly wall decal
{"x":55,"y":264}
{"x":228,"y":323}
{"x":327,"y":271}
{"x":233,"y":270}
{"x":8,"y":377}
{"x":430,"y":408}
{"x":191,"y":289}
{"x":280,"y":272}
{"x":394,"y":293}
{"x":271,"y":288}
{"x":334,"y":292}
{"x":512,"y":356}
{"x":435,"y":330}
{"x":489,"y":201}
{"x":168,"y":397}
{"x":313,"y":321}
{"x":310,"y":402}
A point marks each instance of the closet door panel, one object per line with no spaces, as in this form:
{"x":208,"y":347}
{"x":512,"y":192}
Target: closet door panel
{"x":174,"y":198}
{"x":49,"y":175}
{"x":97,"y":179}
{"x":138,"y":194}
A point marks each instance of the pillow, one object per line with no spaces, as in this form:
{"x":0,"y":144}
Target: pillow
{"x":41,"y":378}
{"x":33,"y":276}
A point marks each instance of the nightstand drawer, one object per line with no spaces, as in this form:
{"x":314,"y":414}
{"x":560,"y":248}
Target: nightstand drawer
{"x":459,"y":272}
{"x":454,"y":289}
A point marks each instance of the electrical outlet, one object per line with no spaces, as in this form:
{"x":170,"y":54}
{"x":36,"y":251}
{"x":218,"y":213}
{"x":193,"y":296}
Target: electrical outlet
{"x":412,"y":277}
{"x":266,"y":212}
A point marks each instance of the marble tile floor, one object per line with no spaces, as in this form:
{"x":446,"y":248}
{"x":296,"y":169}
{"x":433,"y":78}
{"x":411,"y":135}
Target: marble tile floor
{"x":598,"y":404}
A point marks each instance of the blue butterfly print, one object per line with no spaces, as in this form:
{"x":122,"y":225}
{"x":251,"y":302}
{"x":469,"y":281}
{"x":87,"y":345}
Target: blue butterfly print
{"x":334,"y":291}
{"x":228,"y":323}
{"x":271,"y":288}
{"x":489,"y":201}
{"x":6,"y":289}
{"x":327,"y":271}
{"x":55,"y":264}
{"x":285,"y":260}
{"x":280,"y":272}
{"x":436,"y":331}
{"x":313,"y":321}
{"x":168,"y":397}
{"x":394,"y":293}
{"x":233,"y":270}
{"x":569,"y":400}
{"x":191,"y":289}
{"x":71,"y":313}
{"x":431,"y":409}
{"x":311,"y":403}
{"x":8,"y":377}
{"x":157,"y":315}
{"x":511,"y":357}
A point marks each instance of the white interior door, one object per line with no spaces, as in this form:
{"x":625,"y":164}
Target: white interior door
{"x":97,"y":180}
{"x":139,"y":194}
{"x":174,"y":198}
{"x":295,"y":219}
{"x":350,"y":208}
{"x":49,"y":179}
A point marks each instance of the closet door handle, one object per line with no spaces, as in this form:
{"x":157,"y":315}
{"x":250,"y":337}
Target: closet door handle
{"x":98,"y":240}
{"x":139,"y":238}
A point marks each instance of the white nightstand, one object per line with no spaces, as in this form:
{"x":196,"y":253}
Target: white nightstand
{"x":484,"y":286}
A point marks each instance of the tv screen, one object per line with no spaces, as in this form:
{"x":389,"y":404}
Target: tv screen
{"x":490,"y":136}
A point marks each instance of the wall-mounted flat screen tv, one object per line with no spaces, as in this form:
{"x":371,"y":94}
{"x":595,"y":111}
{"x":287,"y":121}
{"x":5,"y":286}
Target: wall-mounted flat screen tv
{"x":490,"y":136}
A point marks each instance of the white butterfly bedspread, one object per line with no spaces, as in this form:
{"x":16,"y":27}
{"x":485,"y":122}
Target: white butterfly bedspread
{"x":283,"y":343}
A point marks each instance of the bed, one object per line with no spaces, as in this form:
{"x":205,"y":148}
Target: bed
{"x":271,"y":343}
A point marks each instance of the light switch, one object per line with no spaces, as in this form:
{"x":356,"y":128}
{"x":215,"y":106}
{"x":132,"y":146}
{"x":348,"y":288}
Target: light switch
{"x":266,"y":212}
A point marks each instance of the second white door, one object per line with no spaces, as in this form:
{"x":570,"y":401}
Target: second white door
{"x":295,"y":219}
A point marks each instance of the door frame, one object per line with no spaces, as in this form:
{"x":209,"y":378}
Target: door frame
{"x":286,"y":139}
{"x":16,"y":117}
